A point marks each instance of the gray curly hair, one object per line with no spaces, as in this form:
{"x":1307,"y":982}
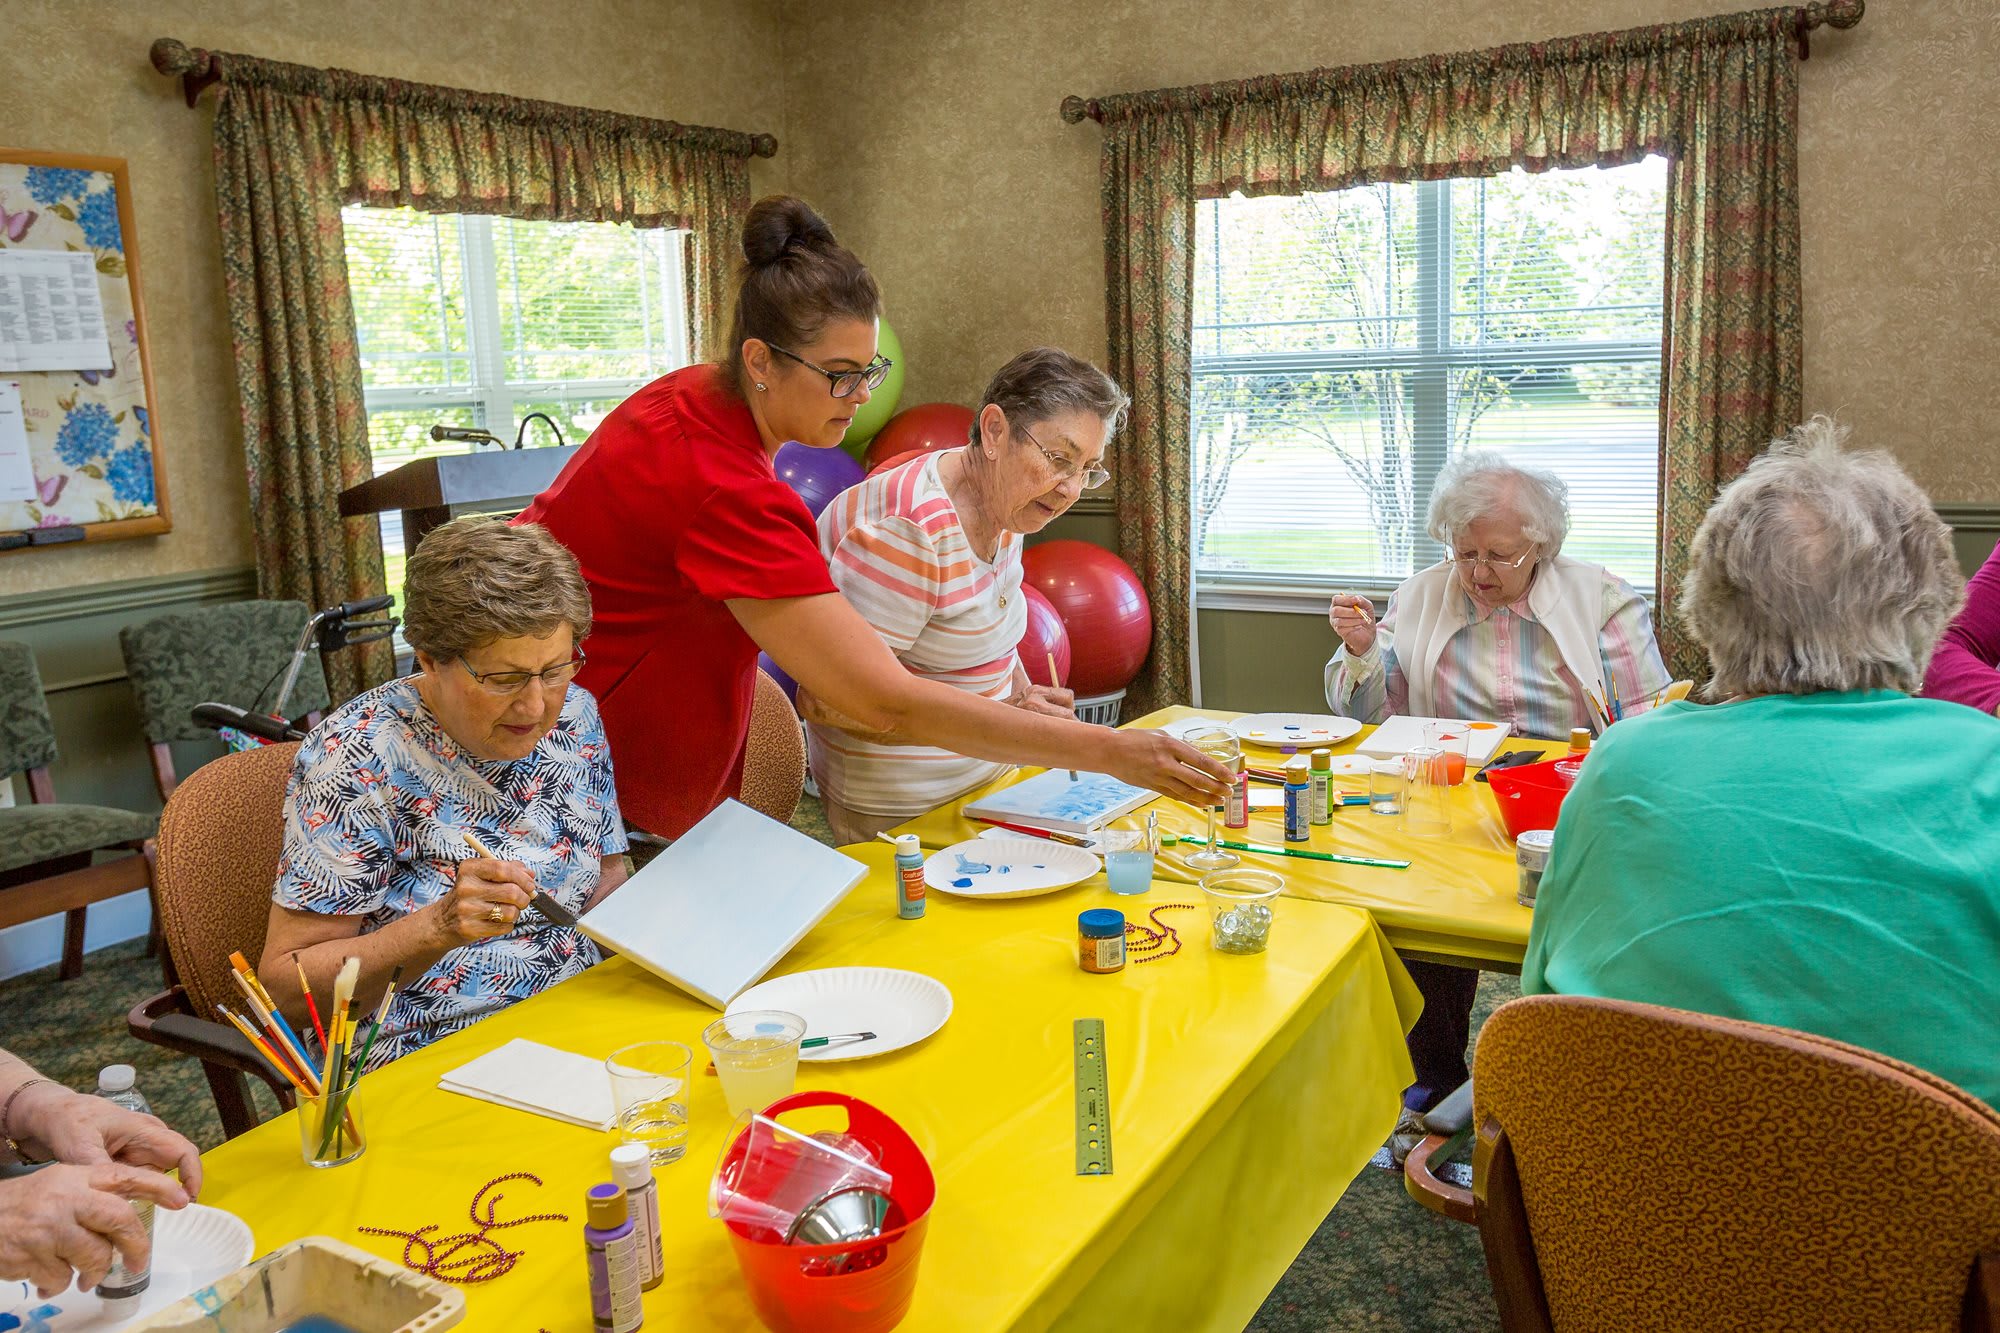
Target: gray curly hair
{"x":1820,"y":569}
{"x":478,"y":578}
{"x":1481,"y":484}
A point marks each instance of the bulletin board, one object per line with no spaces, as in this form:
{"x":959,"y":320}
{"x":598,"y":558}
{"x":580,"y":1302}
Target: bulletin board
{"x":91,"y":437}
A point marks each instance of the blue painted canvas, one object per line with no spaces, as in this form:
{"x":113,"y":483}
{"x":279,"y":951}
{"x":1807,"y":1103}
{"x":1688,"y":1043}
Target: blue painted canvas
{"x":1051,"y":801}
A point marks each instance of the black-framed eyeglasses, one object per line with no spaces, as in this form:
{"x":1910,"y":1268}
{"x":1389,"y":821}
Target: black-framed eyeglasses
{"x":1492,"y":562}
{"x":845,"y":382}
{"x":1066,"y":467}
{"x":513,"y":682}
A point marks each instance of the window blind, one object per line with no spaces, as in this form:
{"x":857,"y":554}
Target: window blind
{"x":1345,"y":344}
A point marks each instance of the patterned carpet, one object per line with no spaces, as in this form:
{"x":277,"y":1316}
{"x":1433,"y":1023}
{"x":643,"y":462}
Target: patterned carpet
{"x":1378,"y":1262}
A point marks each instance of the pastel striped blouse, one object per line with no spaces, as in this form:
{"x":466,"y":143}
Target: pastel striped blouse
{"x":1503,"y":665}
{"x":899,"y":555}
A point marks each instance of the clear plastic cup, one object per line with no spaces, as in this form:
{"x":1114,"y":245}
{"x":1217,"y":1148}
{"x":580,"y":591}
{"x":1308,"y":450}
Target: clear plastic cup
{"x":756,"y":1054}
{"x":1242,"y":904}
{"x":336,"y":1141}
{"x":1427,"y":807}
{"x":649,"y":1092}
{"x":770,"y":1173}
{"x":1388,"y":786}
{"x":1128,"y":860}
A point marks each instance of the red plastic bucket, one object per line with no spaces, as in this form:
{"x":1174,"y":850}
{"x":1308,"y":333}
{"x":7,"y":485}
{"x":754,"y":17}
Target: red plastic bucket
{"x":1530,"y":796}
{"x":862,"y":1287}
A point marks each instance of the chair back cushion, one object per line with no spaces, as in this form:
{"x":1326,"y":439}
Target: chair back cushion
{"x":774,"y":758}
{"x":27,"y":736}
{"x":1686,"y":1172}
{"x":227,"y":653}
{"x":219,"y":842}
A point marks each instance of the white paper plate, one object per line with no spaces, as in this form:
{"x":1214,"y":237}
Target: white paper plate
{"x":191,"y":1249}
{"x":1304,"y":730}
{"x":1007,"y":867}
{"x":900,"y":1008}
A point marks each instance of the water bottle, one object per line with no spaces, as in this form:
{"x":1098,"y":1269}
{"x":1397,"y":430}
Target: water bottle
{"x":115,"y":1083}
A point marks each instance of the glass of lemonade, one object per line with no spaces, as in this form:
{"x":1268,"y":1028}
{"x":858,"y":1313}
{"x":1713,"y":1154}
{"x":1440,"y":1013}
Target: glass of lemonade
{"x":756,"y":1055}
{"x":649,"y":1092}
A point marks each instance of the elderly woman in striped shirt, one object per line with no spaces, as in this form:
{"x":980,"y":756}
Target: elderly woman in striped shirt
{"x":930,"y":554}
{"x":1506,"y":628}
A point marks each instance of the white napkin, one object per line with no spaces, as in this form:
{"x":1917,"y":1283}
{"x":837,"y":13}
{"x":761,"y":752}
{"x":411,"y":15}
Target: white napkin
{"x":542,"y":1080}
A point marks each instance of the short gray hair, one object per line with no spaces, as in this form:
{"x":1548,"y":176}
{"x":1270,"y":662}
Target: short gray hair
{"x":1043,"y":381}
{"x":1820,"y":569}
{"x":1481,"y":483}
{"x":477,"y":579}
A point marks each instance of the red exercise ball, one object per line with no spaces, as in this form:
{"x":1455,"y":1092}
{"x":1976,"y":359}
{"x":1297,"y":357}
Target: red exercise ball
{"x":1045,"y":635}
{"x":1101,"y":604}
{"x":920,"y":429}
{"x":896,"y":462}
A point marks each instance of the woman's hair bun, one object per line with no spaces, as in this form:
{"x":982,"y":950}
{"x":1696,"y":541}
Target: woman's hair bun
{"x":780,"y":224}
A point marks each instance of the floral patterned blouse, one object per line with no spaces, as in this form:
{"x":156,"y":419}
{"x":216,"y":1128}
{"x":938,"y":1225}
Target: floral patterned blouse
{"x":374,"y":815}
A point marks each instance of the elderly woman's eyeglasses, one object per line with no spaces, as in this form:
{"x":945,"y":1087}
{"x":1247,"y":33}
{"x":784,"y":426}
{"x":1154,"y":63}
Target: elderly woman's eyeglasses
{"x":1064,"y":467}
{"x":845,"y":382}
{"x":1473,"y":560}
{"x":513,"y":682}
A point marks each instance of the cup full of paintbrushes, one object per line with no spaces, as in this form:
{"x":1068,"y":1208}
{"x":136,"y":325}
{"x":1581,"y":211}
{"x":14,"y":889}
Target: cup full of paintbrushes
{"x":331,"y":1128}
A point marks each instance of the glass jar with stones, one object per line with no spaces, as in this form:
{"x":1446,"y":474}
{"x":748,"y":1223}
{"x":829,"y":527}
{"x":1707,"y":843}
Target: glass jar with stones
{"x":1241,"y":905}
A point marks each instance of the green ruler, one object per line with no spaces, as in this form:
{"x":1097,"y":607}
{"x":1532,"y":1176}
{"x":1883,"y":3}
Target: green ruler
{"x":1093,"y":1100}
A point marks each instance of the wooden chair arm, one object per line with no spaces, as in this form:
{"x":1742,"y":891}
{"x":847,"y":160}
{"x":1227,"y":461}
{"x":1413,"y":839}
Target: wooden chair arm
{"x":1427,"y":1188}
{"x":164,"y":1020}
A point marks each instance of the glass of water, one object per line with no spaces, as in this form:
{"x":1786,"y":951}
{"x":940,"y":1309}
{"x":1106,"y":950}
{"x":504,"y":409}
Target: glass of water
{"x":1388,"y":782}
{"x":649,"y":1091}
{"x":1128,"y":860}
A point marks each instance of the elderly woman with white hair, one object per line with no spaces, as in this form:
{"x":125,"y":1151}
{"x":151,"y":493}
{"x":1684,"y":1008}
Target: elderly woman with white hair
{"x":1821,"y":851}
{"x":1505,"y":628}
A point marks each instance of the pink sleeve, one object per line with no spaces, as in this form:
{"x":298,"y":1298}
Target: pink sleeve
{"x":1966,"y":667}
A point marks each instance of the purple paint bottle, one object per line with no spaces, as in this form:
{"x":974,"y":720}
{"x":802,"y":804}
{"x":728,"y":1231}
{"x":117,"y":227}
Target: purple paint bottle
{"x":612,"y":1247}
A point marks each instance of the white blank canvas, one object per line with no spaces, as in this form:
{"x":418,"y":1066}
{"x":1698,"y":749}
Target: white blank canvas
{"x":717,"y":910}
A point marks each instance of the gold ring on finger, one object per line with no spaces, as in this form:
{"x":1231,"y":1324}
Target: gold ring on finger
{"x":497,"y":914}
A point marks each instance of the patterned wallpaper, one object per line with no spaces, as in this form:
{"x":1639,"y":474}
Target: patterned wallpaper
{"x":937,"y":154}
{"x":77,"y":79}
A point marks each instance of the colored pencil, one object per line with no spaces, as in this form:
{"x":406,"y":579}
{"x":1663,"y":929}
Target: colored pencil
{"x":311,"y":1008}
{"x":1268,"y":850}
{"x":1055,"y":682}
{"x":1051,"y":835}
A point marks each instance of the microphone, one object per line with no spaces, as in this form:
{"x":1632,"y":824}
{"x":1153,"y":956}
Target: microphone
{"x":466,"y":434}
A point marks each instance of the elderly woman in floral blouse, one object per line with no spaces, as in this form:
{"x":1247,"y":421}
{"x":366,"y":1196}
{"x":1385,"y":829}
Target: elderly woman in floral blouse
{"x":489,"y":737}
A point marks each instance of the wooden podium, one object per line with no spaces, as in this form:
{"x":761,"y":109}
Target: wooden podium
{"x":432,"y":490}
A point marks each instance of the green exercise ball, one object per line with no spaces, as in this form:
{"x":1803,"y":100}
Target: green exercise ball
{"x":881,"y":405}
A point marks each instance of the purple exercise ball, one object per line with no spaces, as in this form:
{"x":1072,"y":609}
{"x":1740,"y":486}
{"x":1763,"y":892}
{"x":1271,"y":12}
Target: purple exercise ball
{"x":816,"y":474}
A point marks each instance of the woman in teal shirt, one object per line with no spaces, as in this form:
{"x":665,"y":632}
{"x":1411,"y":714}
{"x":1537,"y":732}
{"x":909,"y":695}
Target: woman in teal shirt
{"x":1821,"y":850}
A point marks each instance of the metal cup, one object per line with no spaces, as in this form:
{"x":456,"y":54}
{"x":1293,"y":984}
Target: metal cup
{"x":844,"y":1216}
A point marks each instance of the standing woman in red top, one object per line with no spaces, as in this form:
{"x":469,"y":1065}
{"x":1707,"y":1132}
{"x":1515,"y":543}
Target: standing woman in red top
{"x":697,"y":556}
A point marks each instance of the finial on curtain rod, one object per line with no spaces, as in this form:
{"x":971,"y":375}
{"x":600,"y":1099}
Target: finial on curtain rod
{"x":1832,"y":14}
{"x":195,"y":66}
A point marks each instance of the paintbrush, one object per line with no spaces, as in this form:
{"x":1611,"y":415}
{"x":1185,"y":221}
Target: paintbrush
{"x":1050,"y":834}
{"x":336,"y":1055}
{"x":255,"y":989}
{"x":1055,"y":681}
{"x":1268,"y":850}
{"x":312,"y":1009}
{"x":540,"y":901}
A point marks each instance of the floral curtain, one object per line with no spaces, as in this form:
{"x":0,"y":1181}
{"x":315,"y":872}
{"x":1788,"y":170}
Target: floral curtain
{"x":293,"y":145}
{"x":1718,"y":97}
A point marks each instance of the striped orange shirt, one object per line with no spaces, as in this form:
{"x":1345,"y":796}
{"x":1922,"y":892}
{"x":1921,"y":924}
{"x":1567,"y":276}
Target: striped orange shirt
{"x":898,"y":553}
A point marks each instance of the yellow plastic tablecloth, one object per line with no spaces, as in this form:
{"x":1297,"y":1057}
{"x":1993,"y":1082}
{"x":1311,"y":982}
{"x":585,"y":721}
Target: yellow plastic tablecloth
{"x":1246,"y":1093}
{"x":1456,"y":901}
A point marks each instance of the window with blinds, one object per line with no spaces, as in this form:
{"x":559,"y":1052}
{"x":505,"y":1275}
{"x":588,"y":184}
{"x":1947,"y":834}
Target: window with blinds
{"x":1346,"y":344}
{"x":468,"y":320}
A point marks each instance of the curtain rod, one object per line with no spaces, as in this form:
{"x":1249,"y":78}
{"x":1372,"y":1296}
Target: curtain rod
{"x":1074,"y":109}
{"x":199,"y":68}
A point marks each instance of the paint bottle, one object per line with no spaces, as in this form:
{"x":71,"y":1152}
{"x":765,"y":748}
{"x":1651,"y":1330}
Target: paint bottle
{"x":632,"y":1167}
{"x":1236,"y":805}
{"x":1322,"y":786}
{"x":909,"y":877}
{"x":1579,"y":742}
{"x":1100,"y":940}
{"x":122,"y":1283}
{"x":1298,"y":800}
{"x":613,"y":1251}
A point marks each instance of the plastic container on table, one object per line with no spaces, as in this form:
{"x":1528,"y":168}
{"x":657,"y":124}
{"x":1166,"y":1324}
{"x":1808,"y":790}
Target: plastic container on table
{"x":1531,"y":795}
{"x":855,"y":1286}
